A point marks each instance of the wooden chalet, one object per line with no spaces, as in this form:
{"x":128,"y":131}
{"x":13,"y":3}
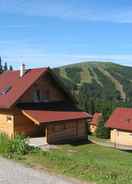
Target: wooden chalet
{"x":34,"y":102}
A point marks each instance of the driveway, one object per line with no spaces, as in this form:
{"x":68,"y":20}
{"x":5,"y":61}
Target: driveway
{"x":15,"y":173}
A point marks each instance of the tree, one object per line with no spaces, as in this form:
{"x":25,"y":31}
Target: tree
{"x":92,"y":105}
{"x":1,"y":69}
{"x":5,"y":66}
{"x":10,"y":68}
{"x":102,"y":131}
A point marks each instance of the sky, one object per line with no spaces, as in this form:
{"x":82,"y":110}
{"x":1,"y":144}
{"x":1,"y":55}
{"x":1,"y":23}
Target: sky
{"x":59,"y":32}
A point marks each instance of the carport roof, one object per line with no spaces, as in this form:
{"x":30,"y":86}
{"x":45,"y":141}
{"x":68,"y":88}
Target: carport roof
{"x":43,"y":116}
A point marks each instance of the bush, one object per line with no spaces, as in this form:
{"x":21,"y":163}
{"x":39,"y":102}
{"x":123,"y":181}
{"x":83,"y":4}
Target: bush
{"x":18,"y":146}
{"x":13,"y":148}
{"x":102,"y":131}
{"x":4,"y":142}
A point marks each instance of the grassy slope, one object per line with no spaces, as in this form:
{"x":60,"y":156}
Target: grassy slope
{"x":119,"y":76}
{"x":87,"y":162}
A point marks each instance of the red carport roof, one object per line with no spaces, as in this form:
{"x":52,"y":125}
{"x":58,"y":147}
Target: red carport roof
{"x":121,"y":119}
{"x":42,"y":116}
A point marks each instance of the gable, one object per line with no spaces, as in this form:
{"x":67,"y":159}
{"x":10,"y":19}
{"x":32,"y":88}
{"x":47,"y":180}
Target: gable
{"x":13,"y":87}
{"x":18,"y":85}
{"x":43,"y":90}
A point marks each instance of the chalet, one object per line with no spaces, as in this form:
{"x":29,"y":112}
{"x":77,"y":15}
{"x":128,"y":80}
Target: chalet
{"x":34,"y":102}
{"x":120,"y":123}
{"x":94,"y":121}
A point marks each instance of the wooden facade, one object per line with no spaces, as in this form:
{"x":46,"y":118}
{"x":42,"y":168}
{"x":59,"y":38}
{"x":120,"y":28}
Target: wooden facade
{"x":45,"y":89}
{"x":7,"y":123}
{"x":67,"y":131}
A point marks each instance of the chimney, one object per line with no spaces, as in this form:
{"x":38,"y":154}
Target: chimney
{"x":22,"y":70}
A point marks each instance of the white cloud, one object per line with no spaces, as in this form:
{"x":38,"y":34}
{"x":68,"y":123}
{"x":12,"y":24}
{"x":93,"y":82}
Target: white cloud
{"x":39,"y":58}
{"x":69,"y":10}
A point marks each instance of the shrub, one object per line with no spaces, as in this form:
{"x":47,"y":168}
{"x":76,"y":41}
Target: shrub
{"x":13,"y":148}
{"x":4,"y":142}
{"x":102,"y":131}
{"x":18,"y":146}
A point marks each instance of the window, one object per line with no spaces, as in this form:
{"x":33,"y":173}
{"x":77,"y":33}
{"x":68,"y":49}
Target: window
{"x":46,"y":96}
{"x":5,"y":90}
{"x":37,"y":96}
{"x":9,"y":118}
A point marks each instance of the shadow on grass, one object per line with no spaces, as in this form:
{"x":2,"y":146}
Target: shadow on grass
{"x":76,"y":143}
{"x":81,"y":143}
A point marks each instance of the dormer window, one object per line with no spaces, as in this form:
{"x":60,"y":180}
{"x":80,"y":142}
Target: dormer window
{"x":5,"y":90}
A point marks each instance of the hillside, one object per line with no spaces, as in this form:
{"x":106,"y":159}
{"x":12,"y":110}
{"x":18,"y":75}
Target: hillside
{"x":98,"y":80}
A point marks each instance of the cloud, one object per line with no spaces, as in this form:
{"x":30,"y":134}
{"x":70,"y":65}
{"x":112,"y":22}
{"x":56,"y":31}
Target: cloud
{"x":71,"y":9}
{"x":39,"y":58}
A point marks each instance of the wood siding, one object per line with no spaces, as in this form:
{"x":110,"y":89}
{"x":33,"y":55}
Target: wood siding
{"x":48,"y":90}
{"x":23,"y":125}
{"x":7,"y":123}
{"x":67,"y":131}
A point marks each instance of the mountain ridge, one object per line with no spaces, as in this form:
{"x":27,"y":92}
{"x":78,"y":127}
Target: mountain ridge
{"x":113,"y":81}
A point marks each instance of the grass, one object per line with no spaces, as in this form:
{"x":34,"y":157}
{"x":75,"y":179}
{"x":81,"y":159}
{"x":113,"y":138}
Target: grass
{"x":87,"y":162}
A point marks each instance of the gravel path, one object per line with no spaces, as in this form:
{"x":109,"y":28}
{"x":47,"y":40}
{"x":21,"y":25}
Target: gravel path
{"x":15,"y":173}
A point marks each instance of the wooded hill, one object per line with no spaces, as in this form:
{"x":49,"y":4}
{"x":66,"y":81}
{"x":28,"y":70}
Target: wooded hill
{"x":98,"y":82}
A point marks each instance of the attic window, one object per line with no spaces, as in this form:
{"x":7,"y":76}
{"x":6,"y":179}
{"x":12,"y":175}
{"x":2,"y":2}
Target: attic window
{"x":5,"y":90}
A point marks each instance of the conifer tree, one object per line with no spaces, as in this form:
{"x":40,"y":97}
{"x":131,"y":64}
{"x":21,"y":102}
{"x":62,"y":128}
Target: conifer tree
{"x":10,"y":68}
{"x":1,"y":69}
{"x":5,"y":66}
{"x":102,"y":131}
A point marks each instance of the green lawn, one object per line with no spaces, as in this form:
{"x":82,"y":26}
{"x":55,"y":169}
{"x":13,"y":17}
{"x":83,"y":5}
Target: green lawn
{"x":88,"y":162}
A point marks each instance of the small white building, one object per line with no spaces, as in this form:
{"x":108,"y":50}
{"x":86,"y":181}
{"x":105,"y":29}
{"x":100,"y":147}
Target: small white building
{"x":120,"y":123}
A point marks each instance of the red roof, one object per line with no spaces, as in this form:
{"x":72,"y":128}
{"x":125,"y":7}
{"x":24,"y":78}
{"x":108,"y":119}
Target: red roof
{"x":96,"y":118}
{"x":18,"y":85}
{"x":121,"y":119}
{"x":42,"y":116}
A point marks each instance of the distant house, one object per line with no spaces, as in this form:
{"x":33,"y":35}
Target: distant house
{"x":94,"y":122}
{"x":35,"y":103}
{"x":120,"y":123}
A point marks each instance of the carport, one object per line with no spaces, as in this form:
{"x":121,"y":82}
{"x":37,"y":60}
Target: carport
{"x":59,"y":126}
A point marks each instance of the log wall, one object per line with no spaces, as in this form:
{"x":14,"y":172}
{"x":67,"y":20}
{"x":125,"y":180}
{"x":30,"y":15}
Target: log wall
{"x":67,"y":131}
{"x":23,"y":125}
{"x":48,"y":91}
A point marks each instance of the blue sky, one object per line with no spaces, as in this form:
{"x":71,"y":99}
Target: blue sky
{"x":59,"y":32}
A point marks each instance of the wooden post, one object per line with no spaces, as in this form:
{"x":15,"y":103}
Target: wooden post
{"x":46,"y":136}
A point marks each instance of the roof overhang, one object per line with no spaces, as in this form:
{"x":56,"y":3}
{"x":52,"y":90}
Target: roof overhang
{"x":44,"y":117}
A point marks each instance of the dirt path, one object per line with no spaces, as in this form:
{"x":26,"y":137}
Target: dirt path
{"x":14,"y":173}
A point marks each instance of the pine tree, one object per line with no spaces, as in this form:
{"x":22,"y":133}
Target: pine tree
{"x":92,"y":106}
{"x":10,"y":68}
{"x":102,"y":131}
{"x":5,"y":66}
{"x":1,"y":69}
